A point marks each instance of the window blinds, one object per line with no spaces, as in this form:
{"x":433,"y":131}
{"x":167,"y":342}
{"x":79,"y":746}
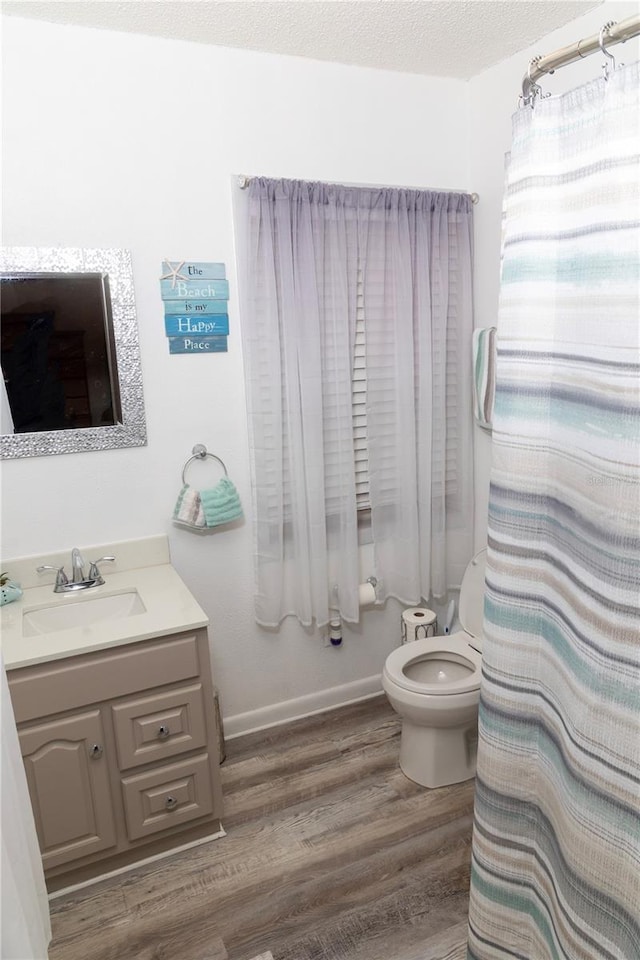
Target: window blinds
{"x":359,"y":402}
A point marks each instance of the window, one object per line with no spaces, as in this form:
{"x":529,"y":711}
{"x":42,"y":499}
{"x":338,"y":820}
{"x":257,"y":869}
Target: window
{"x":357,"y":349}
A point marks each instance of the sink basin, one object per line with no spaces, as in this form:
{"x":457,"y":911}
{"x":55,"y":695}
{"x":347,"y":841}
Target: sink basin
{"x":81,"y":612}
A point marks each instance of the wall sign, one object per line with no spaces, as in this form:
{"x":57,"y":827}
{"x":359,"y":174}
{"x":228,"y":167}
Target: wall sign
{"x":197,"y":344}
{"x":195,"y":299}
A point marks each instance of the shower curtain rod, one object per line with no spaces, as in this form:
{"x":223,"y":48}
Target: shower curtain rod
{"x":611,"y":33}
{"x":244,"y":181}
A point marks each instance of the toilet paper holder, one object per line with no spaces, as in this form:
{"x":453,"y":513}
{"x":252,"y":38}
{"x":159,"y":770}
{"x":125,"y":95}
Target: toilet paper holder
{"x":365,"y":596}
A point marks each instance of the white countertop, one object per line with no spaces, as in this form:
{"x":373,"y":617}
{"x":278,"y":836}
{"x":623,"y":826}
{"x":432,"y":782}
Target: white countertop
{"x":169,"y":608}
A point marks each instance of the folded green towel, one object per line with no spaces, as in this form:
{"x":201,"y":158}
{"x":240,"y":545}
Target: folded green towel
{"x":221,"y":504}
{"x":484,"y":380}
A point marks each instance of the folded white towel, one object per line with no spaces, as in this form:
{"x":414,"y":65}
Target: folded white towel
{"x":188,"y":510}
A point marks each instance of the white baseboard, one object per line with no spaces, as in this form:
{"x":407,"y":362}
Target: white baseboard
{"x":307,"y":706}
{"x":129,"y":867}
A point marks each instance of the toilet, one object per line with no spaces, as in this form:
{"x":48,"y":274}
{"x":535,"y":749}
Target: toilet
{"x":434,"y":685}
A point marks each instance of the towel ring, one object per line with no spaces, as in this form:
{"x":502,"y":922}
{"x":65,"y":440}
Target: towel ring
{"x":200,"y":453}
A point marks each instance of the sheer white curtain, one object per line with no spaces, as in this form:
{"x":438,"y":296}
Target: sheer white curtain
{"x":26,"y":928}
{"x":416,"y":251}
{"x":307,"y":243}
{"x":298,"y":339}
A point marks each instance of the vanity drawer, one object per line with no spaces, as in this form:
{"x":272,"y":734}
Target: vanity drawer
{"x":78,"y":681}
{"x":159,"y":726}
{"x":167,"y":797}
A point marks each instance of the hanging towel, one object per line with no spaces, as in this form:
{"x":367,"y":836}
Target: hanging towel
{"x":221,"y":504}
{"x":484,"y":375}
{"x":188,"y":509}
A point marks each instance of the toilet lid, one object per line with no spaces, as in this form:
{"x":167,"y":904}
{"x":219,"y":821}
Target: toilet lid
{"x":436,"y":665}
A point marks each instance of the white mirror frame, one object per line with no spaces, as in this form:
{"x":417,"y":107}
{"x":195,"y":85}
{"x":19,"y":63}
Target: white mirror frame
{"x":132,"y":430}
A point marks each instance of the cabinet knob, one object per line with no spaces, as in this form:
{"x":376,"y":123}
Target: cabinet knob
{"x":96,"y":751}
{"x":171,"y":803}
{"x":163,"y":732}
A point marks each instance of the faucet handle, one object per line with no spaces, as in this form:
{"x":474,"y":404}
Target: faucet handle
{"x":61,"y":577}
{"x":94,"y":573}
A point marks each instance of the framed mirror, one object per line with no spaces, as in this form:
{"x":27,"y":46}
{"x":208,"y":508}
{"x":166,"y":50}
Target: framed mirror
{"x":72,"y":379}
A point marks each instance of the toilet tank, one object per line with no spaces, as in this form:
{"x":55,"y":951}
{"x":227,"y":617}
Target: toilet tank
{"x":472,"y":595}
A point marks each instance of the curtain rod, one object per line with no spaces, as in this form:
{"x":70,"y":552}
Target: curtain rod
{"x":611,"y":33}
{"x":244,"y":181}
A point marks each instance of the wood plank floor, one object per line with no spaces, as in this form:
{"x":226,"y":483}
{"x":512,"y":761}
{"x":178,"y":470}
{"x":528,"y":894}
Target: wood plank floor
{"x":330,"y":854}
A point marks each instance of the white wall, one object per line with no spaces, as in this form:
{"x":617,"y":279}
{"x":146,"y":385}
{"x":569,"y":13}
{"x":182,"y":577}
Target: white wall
{"x":128,"y":141}
{"x":121,"y":140}
{"x":493,"y":100}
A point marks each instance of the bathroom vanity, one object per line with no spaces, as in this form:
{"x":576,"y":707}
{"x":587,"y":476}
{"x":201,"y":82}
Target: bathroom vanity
{"x":115,"y":715}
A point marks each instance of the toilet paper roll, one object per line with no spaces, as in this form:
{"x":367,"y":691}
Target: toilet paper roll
{"x":366,"y":594}
{"x":417,"y":623}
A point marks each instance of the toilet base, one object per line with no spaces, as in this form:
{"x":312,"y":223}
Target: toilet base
{"x":437,"y":756}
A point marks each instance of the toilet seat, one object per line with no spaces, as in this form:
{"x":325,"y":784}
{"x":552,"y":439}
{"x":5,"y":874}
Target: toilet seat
{"x":454,"y":648}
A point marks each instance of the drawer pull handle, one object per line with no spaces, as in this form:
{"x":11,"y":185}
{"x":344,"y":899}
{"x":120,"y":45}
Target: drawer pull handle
{"x":96,"y":751}
{"x":171,"y":803}
{"x":163,"y":732}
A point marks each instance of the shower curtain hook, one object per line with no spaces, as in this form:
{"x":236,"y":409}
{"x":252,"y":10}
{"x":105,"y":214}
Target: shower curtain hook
{"x":605,"y":66}
{"x":535,"y":90}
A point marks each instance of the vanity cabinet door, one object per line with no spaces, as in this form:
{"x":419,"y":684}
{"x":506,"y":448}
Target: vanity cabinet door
{"x":69,"y":786}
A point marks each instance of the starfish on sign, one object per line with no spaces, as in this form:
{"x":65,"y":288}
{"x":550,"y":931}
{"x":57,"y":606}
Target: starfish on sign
{"x":174,"y":272}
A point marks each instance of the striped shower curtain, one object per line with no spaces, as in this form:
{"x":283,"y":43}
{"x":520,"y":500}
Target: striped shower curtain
{"x":556,"y":849}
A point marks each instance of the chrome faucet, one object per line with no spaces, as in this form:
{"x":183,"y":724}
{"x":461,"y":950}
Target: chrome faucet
{"x":79,"y":581}
{"x":77,"y":566}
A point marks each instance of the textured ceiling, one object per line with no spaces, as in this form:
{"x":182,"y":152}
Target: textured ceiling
{"x":435,"y":37}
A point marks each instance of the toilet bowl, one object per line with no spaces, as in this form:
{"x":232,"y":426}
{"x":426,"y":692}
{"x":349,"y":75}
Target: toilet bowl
{"x":434,"y":685}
